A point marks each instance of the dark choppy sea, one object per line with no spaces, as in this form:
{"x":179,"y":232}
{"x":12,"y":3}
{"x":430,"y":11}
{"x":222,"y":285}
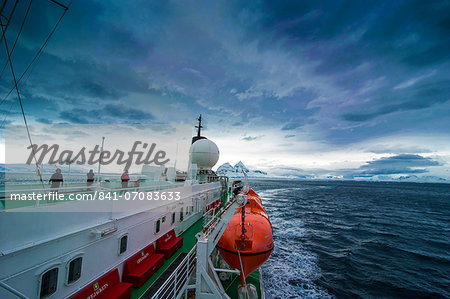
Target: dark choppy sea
{"x":357,"y":239}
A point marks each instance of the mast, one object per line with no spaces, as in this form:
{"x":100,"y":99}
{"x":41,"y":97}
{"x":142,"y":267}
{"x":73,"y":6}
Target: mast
{"x":100,"y":160}
{"x":199,"y":128}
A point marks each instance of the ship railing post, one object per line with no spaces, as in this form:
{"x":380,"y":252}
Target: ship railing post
{"x":188,"y":261}
{"x":12,"y":290}
{"x":175,"y":285}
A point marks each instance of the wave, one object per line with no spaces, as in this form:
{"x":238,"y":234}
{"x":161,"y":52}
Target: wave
{"x":350,"y":240}
{"x":291,"y":270}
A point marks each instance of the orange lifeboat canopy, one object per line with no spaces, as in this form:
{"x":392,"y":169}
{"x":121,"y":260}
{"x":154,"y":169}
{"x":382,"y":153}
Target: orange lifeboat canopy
{"x":247,"y":250}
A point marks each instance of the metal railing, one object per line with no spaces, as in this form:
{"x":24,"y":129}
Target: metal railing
{"x":174,"y":286}
{"x":207,"y":216}
{"x":213,"y":220}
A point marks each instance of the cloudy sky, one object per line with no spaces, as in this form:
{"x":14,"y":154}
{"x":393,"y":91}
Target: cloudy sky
{"x":338,"y":87}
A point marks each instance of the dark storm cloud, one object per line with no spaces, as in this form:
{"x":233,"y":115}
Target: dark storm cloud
{"x":416,"y":98}
{"x":99,"y":91}
{"x":79,"y":116}
{"x":405,"y":160}
{"x":399,"y":164}
{"x":344,"y":34}
{"x":121,"y":111}
{"x":290,"y":126}
{"x":344,"y":70}
{"x":44,"y":121}
{"x":367,"y":49}
{"x":251,"y":138}
{"x":111,"y":113}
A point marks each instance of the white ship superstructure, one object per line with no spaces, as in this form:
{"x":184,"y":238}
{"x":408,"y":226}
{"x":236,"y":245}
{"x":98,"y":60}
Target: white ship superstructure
{"x":87,"y":249}
{"x":41,"y":239}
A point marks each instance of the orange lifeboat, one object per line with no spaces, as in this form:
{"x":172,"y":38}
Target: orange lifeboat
{"x":247,"y":241}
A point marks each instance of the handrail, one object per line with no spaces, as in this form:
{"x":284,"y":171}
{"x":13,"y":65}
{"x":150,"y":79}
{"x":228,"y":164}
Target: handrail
{"x":179,"y":278}
{"x":12,"y":290}
{"x":215,"y":219}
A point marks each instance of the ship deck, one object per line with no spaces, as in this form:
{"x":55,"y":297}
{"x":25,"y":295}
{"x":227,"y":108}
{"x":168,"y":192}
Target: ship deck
{"x":189,"y":241}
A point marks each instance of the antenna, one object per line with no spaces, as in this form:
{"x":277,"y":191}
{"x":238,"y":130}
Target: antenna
{"x":199,"y":127}
{"x":176,"y":157}
{"x":100,"y":160}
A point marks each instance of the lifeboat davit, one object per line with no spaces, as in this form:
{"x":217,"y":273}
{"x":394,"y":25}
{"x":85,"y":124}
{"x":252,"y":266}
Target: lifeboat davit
{"x":247,"y":241}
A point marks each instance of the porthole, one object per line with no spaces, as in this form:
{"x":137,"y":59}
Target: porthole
{"x":123,"y":244}
{"x":158,"y":226}
{"x":74,"y":270}
{"x":49,"y":283}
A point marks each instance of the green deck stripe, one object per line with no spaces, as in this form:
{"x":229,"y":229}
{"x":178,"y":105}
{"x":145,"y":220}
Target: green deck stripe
{"x":189,"y":241}
{"x":231,"y":285}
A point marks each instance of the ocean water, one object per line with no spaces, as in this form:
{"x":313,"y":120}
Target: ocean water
{"x":357,"y":239}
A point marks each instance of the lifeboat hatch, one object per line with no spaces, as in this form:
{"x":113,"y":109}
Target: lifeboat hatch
{"x":247,"y":244}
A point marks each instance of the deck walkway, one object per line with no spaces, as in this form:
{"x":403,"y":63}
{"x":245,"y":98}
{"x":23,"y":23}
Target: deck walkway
{"x":189,"y":241}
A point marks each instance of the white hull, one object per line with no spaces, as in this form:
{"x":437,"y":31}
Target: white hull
{"x":35,"y":242}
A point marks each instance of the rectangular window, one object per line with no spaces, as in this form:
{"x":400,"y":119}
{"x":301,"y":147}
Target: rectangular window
{"x":74,"y":270}
{"x":173,"y":217}
{"x":164,"y":219}
{"x":181,"y":214}
{"x":49,"y":283}
{"x":123,"y":244}
{"x":158,"y":226}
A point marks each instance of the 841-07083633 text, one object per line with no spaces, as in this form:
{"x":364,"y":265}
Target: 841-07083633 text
{"x":154,"y":195}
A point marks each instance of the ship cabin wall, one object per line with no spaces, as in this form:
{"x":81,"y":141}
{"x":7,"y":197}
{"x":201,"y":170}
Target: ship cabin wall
{"x":23,"y":269}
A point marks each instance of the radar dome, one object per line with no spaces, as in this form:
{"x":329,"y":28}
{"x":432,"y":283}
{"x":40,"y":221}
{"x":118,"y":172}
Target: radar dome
{"x":204,"y":153}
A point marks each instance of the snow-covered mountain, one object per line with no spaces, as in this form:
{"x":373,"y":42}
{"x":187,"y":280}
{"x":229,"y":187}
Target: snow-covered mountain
{"x":317,"y":174}
{"x":236,"y":171}
{"x":239,"y":167}
{"x":225,"y":168}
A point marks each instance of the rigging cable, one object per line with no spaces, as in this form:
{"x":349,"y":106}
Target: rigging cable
{"x":21,"y":107}
{"x":9,"y":20}
{"x":3,"y":6}
{"x":38,"y":54}
{"x":17,"y":81}
{"x":18,"y":35}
